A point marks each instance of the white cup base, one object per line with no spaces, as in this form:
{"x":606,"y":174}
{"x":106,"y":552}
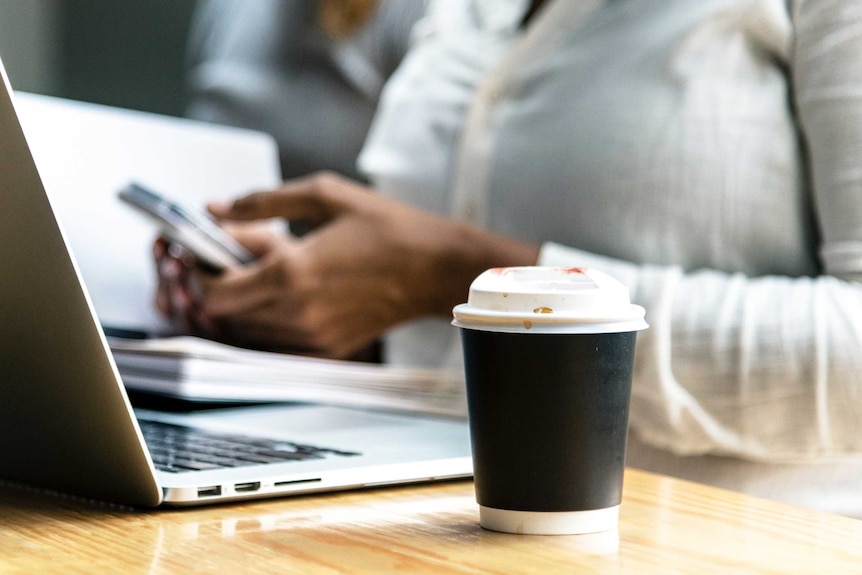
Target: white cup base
{"x":549,"y":522}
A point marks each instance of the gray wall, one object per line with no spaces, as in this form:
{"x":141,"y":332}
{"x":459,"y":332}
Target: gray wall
{"x":125,"y":53}
{"x":29,"y":43}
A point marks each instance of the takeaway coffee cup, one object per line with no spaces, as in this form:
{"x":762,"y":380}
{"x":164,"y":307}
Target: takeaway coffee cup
{"x":548,"y":356}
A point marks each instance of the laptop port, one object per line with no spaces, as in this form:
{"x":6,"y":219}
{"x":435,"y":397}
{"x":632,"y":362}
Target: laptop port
{"x":246,"y":487}
{"x":211,"y":491}
{"x":295,"y":481}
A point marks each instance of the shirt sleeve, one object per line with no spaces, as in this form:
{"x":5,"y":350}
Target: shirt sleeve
{"x":766,"y":368}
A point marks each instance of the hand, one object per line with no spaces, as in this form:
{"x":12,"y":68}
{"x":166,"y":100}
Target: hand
{"x":369,"y":264}
{"x":176,"y":272}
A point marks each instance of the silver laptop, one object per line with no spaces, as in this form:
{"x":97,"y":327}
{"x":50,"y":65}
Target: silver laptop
{"x":66,"y":422}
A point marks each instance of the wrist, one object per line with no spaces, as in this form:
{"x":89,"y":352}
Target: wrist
{"x":467,"y":252}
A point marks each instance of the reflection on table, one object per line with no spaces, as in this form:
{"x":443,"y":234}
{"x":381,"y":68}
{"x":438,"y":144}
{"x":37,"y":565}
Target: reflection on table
{"x":666,"y":526}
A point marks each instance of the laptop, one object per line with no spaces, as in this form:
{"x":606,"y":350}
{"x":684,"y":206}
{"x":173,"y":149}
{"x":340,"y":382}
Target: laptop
{"x":67,"y":424}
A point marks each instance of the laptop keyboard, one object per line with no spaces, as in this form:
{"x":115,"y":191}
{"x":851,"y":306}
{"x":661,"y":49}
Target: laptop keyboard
{"x":178,"y":448}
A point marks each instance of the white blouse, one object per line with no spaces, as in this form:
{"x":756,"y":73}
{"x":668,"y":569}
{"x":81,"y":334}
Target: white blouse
{"x":705,"y":153}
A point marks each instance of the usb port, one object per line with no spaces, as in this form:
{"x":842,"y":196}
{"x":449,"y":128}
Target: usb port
{"x":209,"y":491}
{"x":246,"y":487}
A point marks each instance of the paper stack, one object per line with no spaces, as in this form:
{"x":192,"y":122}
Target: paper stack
{"x":195,"y":369}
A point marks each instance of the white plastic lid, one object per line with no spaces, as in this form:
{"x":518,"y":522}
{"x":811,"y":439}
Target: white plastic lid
{"x":548,"y":300}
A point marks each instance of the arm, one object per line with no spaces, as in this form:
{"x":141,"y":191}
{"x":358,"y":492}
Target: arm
{"x":369,"y":264}
{"x":763,"y":368}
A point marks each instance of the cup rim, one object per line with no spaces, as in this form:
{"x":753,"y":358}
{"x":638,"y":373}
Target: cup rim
{"x":469,"y":317}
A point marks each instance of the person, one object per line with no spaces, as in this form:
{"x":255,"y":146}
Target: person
{"x":308,"y":73}
{"x":703,"y":153}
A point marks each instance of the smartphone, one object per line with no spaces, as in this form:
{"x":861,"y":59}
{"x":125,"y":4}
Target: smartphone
{"x":193,"y":229}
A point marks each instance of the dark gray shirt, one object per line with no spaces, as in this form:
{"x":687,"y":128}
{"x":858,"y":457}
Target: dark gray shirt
{"x":267,"y":65}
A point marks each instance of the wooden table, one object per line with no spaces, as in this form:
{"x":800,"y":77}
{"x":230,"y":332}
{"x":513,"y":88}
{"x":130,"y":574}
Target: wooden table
{"x":666,"y":526}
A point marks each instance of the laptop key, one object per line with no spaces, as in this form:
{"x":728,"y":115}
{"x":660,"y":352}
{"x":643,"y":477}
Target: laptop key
{"x":178,"y":448}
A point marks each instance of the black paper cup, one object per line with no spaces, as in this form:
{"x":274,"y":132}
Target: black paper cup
{"x":548,"y":397}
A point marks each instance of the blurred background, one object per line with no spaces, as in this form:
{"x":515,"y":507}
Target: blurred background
{"x":125,"y":53}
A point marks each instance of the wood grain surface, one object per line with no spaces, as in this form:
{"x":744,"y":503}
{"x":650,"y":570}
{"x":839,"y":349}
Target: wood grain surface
{"x":666,"y":526}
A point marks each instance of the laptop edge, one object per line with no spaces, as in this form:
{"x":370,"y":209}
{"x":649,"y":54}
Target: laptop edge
{"x":56,"y":370}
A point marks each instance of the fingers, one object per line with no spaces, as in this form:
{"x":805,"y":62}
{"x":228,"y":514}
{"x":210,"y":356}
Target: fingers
{"x":178,"y":290}
{"x":198,"y":302}
{"x":261,"y":332}
{"x":242,"y":290}
{"x":174,"y":297}
{"x":259,"y":239}
{"x":266,"y":329}
{"x":315,"y":199}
